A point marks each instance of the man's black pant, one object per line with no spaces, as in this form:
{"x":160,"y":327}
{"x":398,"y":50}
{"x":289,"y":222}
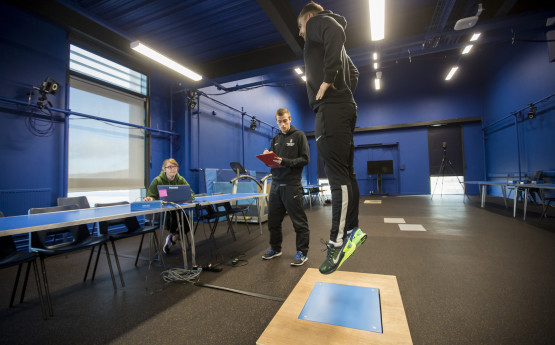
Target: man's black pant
{"x":287,"y":199}
{"x":334,"y":127}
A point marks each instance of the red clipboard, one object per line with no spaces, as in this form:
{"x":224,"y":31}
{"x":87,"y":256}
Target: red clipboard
{"x":268,"y":159}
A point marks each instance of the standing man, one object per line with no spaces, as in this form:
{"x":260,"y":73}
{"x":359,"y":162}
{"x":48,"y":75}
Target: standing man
{"x":286,"y":194}
{"x":331,"y":79}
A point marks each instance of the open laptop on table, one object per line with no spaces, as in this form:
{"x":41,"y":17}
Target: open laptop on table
{"x":178,"y":194}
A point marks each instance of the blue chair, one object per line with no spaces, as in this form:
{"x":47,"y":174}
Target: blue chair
{"x":73,"y":238}
{"x":9,"y":256}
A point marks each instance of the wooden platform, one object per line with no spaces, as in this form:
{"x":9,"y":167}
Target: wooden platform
{"x":287,"y":328}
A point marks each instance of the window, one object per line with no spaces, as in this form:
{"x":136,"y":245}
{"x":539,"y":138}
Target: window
{"x":105,"y":156}
{"x":97,"y":67}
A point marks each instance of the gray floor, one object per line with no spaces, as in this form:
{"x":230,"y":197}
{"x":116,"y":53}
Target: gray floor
{"x":476,"y":276}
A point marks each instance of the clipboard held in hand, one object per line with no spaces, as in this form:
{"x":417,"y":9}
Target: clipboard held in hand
{"x":268,"y":159}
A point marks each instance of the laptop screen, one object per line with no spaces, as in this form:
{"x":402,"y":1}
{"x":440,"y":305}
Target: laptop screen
{"x":178,"y":194}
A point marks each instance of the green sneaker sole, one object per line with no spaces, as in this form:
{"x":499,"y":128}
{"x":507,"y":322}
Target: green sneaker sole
{"x":359,"y":239}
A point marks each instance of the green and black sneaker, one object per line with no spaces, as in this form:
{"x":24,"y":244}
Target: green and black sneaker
{"x":333,"y":259}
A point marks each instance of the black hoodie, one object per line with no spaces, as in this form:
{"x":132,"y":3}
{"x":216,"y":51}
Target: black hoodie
{"x":326,"y":60}
{"x":292,"y":148}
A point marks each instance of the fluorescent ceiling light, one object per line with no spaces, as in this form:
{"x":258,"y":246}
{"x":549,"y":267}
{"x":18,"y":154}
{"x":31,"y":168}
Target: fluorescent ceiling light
{"x":375,"y":65}
{"x":298,"y":70}
{"x":377,"y":19}
{"x":475,"y":37}
{"x":154,"y":55}
{"x":451,"y":73}
{"x":303,"y":77}
{"x":467,"y":49}
{"x":377,"y":85}
{"x":375,"y":56}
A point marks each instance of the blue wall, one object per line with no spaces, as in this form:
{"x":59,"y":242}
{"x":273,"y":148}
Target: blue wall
{"x":220,"y":135}
{"x":526,"y":77}
{"x":30,"y":50}
{"x":162,"y":146}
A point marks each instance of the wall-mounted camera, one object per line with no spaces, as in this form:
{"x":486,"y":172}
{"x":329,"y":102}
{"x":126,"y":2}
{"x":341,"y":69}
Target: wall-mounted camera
{"x":49,"y":87}
{"x":192,"y":99}
{"x":532,"y":112}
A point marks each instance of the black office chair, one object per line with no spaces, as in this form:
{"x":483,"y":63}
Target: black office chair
{"x":231,"y":212}
{"x":547,"y":197}
{"x":80,"y":201}
{"x":132,"y":228}
{"x":312,"y":193}
{"x":74,"y":238}
{"x":9,"y":256}
{"x":207,"y":213}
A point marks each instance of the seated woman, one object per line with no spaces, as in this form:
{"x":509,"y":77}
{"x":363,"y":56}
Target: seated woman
{"x":168,"y":176}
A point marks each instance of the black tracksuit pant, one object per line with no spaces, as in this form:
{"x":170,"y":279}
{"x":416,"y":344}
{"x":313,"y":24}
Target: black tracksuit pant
{"x":334,"y":128}
{"x":287,"y":199}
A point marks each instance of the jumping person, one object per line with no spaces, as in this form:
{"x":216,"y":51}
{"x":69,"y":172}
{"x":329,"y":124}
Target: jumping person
{"x":331,"y":79}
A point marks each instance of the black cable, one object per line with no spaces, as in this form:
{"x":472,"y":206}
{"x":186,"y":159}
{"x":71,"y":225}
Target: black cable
{"x":252,"y":88}
{"x":32,"y":123}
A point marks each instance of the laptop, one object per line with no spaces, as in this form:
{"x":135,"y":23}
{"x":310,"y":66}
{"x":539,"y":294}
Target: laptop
{"x":178,"y":194}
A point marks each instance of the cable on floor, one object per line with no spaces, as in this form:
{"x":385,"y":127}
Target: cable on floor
{"x":181,"y":275}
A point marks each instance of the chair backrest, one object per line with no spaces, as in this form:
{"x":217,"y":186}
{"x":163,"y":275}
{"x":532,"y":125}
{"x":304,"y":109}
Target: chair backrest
{"x":7,"y":244}
{"x":227,"y":207}
{"x":131,"y":223}
{"x":205,"y":211}
{"x":537,"y":175}
{"x":80,"y":201}
{"x":47,"y":239}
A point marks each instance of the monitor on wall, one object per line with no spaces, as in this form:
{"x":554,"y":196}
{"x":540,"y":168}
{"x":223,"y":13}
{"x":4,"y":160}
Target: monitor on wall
{"x":380,"y":167}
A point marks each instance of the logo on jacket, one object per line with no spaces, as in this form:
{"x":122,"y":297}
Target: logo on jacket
{"x":290,"y":143}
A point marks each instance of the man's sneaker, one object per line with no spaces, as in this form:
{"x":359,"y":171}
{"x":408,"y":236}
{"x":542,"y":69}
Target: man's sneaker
{"x":299,"y":259}
{"x":333,"y":259}
{"x":270,"y":254}
{"x":169,"y":243}
{"x":357,"y":236}
{"x":355,"y":239}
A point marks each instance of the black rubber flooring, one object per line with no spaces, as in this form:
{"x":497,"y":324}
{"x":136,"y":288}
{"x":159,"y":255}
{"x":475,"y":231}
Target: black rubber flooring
{"x":476,"y":276}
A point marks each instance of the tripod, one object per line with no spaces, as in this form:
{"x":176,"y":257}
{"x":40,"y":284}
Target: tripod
{"x":444,"y":161}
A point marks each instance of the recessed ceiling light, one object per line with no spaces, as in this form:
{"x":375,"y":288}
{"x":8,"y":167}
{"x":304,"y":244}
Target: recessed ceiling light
{"x":377,"y":19}
{"x":467,"y":49}
{"x":451,"y":73}
{"x":298,"y":70}
{"x":475,"y":37}
{"x":154,"y":55}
